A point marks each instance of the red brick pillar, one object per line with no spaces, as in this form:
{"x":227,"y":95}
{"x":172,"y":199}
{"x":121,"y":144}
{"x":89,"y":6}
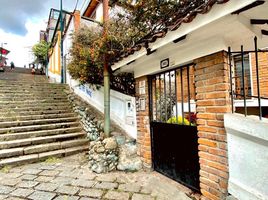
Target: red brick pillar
{"x":77,"y":19}
{"x":143,"y":121}
{"x":213,"y":101}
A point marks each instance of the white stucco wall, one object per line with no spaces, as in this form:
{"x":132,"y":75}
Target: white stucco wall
{"x":121,"y":114}
{"x":247,"y":139}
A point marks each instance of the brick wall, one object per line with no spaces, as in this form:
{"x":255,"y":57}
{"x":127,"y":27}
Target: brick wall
{"x":212,"y":100}
{"x":263,"y":73}
{"x":143,"y":125}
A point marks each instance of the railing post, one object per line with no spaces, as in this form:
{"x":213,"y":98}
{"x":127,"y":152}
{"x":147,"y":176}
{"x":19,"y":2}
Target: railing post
{"x":231,"y":78}
{"x":243,"y":80}
{"x":258,"y":78}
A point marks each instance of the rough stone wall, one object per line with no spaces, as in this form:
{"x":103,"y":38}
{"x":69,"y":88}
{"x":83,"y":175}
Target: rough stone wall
{"x":213,"y":101}
{"x":143,"y":123}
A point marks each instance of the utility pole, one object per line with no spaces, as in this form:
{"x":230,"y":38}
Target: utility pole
{"x":61,"y":44}
{"x":106,"y":74}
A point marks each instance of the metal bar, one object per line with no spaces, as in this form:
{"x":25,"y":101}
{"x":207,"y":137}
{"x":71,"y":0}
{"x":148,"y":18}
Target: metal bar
{"x":165,"y":96}
{"x":238,"y":94}
{"x":189,"y":94}
{"x":160,"y":98}
{"x":150,"y":92}
{"x":231,"y":78}
{"x":259,"y":50}
{"x":170,"y":94}
{"x":258,"y":78}
{"x":243,"y":80}
{"x":182,"y":100}
{"x":155,"y":90}
{"x":176,"y":97}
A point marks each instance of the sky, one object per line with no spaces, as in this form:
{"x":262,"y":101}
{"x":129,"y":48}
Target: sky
{"x":20,"y":23}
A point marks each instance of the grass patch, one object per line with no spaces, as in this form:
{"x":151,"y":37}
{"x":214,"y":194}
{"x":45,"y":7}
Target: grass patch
{"x":52,"y":160}
{"x":5,"y":169}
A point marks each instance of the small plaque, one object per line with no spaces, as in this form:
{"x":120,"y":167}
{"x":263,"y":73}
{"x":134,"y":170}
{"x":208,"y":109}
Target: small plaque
{"x":164,"y":63}
{"x":142,"y":103}
{"x":142,"y":87}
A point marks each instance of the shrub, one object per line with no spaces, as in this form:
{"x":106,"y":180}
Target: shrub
{"x":173,"y":120}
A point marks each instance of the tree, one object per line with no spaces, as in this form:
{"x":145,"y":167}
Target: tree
{"x":40,"y":51}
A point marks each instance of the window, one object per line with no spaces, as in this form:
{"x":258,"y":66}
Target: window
{"x":238,"y":79}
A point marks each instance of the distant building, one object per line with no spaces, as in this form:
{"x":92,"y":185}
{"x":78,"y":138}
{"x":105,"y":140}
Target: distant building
{"x":43,"y":36}
{"x":3,"y":54}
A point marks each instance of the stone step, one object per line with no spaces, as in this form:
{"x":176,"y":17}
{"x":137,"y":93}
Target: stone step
{"x":30,"y":83}
{"x":28,"y":92}
{"x":31,"y":101}
{"x":31,"y":88}
{"x":33,"y":134}
{"x":39,"y":140}
{"x":13,"y":111}
{"x":40,"y":148}
{"x":32,"y":98}
{"x":38,"y":127}
{"x":36,"y":112}
{"x":36,"y":122}
{"x":25,"y":104}
{"x":35,"y":117}
{"x":41,"y":156}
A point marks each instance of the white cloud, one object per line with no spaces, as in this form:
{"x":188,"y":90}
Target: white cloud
{"x":20,"y":46}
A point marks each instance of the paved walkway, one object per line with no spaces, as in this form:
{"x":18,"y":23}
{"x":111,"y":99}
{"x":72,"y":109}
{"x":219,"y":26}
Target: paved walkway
{"x":70,"y":179}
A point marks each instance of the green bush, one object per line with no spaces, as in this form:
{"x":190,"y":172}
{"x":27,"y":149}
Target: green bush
{"x":173,"y":120}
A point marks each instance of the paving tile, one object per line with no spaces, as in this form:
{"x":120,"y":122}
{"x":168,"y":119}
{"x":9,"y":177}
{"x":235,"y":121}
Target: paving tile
{"x":21,"y":192}
{"x":27,"y":184}
{"x":106,"y":185}
{"x":44,"y":178}
{"x":130,"y":187}
{"x":66,"y":197}
{"x":106,"y":178}
{"x":32,"y":171}
{"x":49,"y":187}
{"x":12,"y":175}
{"x":114,"y":195}
{"x":94,"y":193}
{"x":89,"y":176}
{"x":83,"y":183}
{"x":63,"y":180}
{"x":28,"y":177}
{"x":70,"y":190}
{"x":87,"y":198}
{"x":3,"y":196}
{"x":5,"y":189}
{"x":9,"y":181}
{"x":146,"y":190}
{"x":14,"y":198}
{"x":47,"y":167}
{"x":49,"y":173}
{"x":142,"y":197}
{"x":40,"y":195}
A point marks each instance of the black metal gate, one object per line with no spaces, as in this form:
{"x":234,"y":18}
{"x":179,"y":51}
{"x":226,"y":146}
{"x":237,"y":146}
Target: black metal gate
{"x":173,"y":125}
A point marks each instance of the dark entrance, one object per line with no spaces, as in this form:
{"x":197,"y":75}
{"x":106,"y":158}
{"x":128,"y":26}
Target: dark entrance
{"x":173,"y":126}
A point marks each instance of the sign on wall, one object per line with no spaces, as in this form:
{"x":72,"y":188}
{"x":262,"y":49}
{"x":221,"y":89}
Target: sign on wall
{"x":142,"y":89}
{"x":164,"y":63}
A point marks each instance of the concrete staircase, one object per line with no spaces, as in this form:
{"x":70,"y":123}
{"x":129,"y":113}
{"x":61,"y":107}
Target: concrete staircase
{"x":37,"y":122}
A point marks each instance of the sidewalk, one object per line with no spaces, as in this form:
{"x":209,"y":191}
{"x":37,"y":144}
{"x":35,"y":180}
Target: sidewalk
{"x":69,"y":179}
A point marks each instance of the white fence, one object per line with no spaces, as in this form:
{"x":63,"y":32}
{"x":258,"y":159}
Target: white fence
{"x":247,"y":139}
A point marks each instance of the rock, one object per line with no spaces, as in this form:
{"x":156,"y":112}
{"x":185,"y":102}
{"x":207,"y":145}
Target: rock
{"x":120,"y":139}
{"x":110,"y":143}
{"x":128,"y":158}
{"x":99,"y":148}
{"x":131,"y":165}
